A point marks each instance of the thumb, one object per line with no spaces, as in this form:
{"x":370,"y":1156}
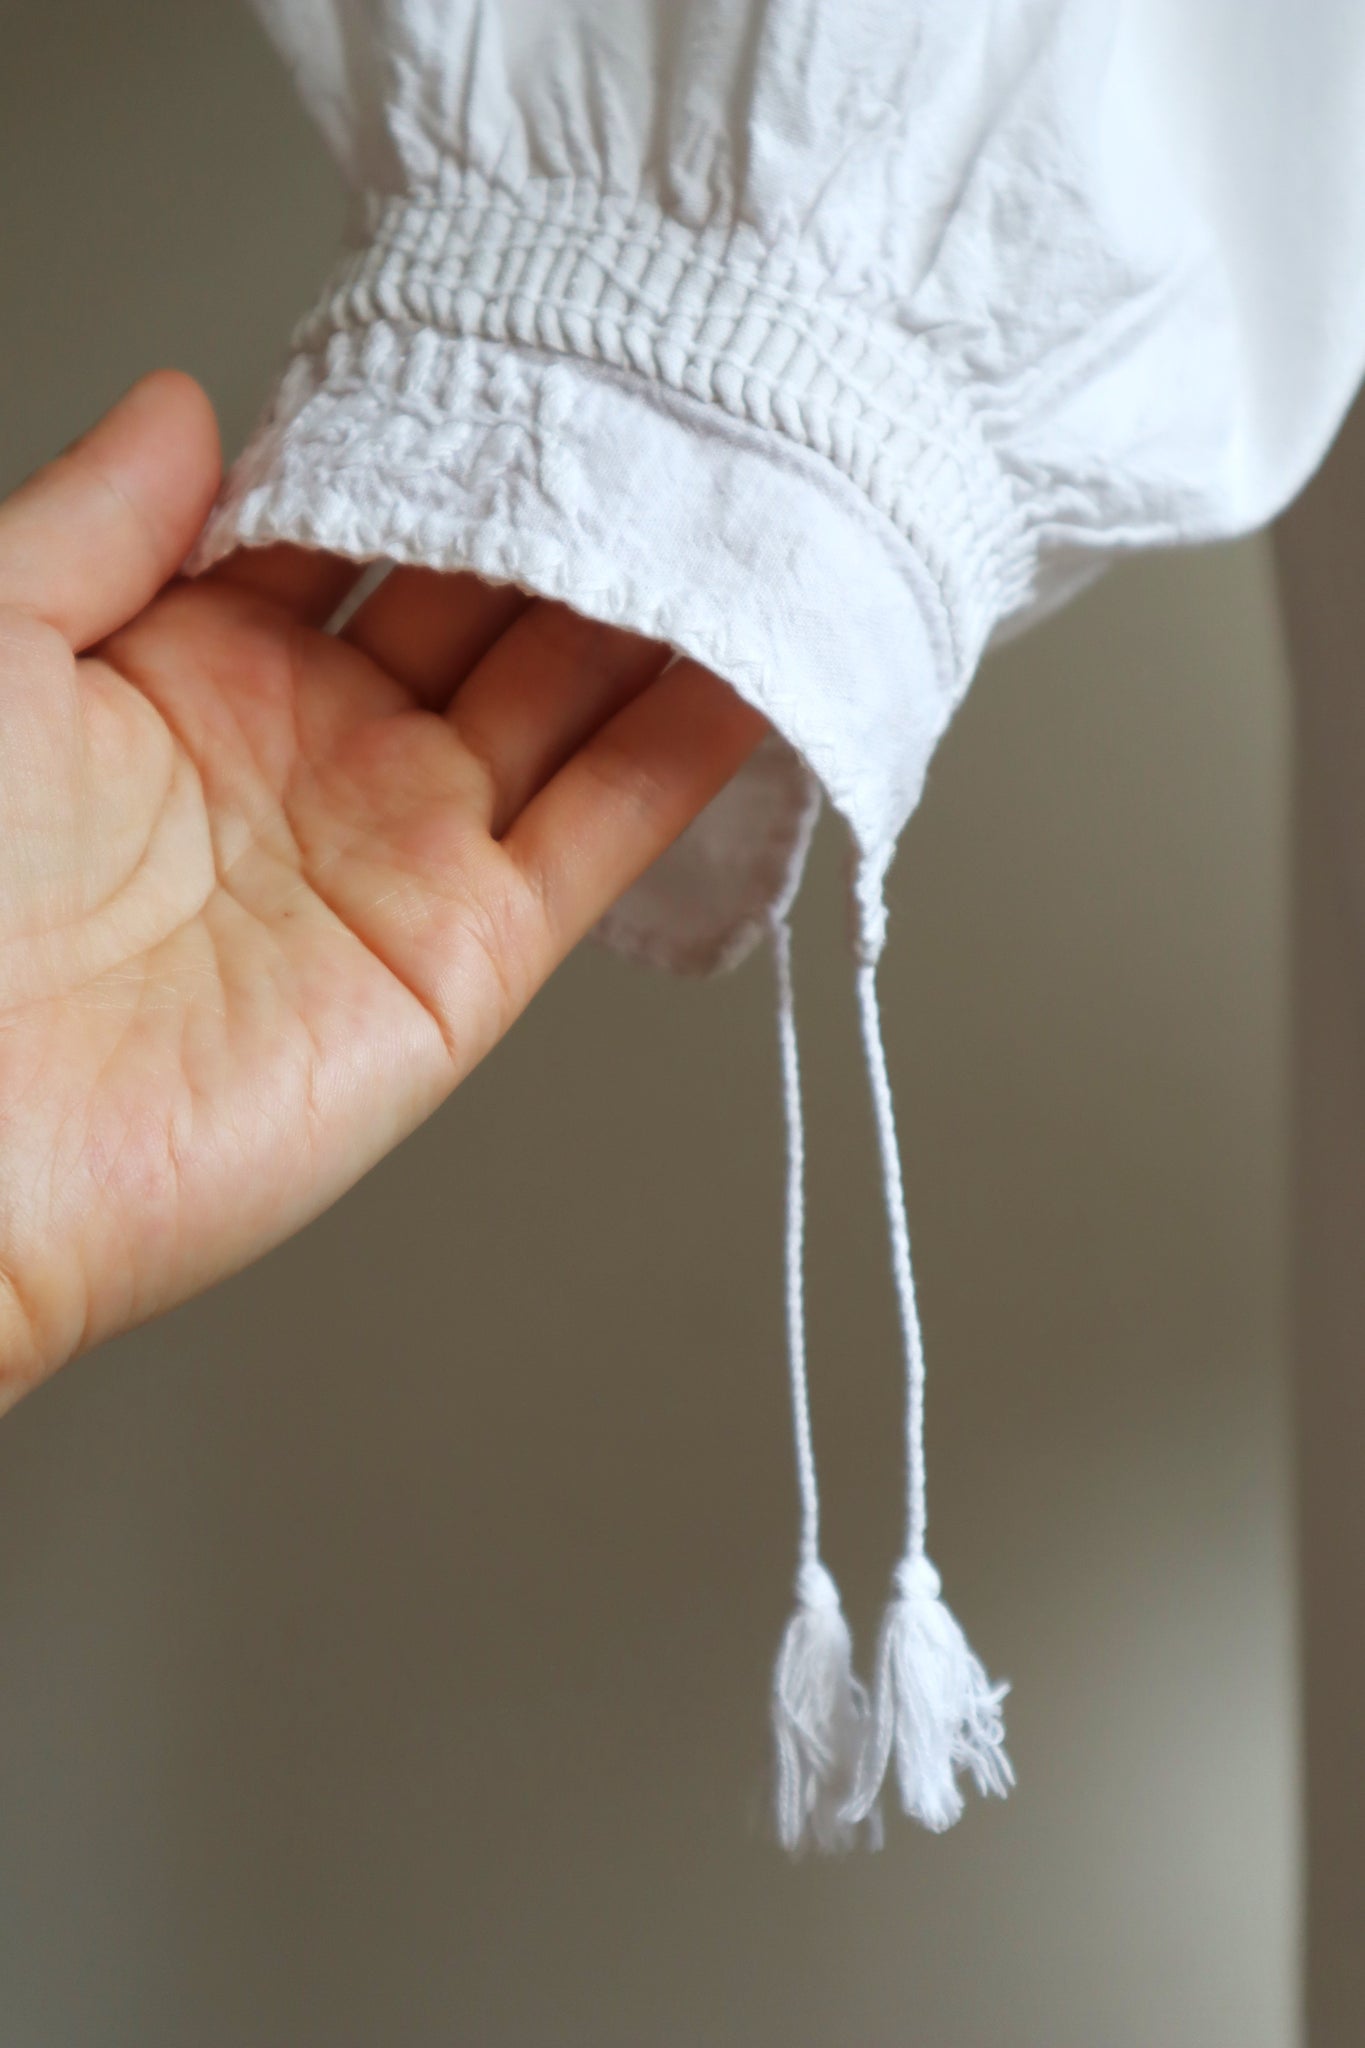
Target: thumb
{"x":90,"y":539}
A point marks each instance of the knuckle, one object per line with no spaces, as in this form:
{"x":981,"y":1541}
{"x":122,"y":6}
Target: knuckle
{"x":21,"y":1358}
{"x":28,"y":641}
{"x":492,"y":934}
{"x":626,"y":781}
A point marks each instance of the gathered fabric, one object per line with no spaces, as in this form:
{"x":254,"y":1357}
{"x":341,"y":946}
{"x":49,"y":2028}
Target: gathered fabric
{"x":827,"y":344}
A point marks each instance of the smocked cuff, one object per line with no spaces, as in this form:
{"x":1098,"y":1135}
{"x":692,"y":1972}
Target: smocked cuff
{"x":769,"y":334}
{"x":679,"y":432}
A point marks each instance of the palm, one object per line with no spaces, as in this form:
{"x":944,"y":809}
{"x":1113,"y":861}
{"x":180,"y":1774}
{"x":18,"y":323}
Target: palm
{"x":226,"y":988}
{"x":265,"y":898}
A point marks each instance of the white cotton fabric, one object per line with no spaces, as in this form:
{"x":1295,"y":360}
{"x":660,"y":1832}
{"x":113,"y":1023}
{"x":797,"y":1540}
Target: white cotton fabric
{"x":824,"y":340}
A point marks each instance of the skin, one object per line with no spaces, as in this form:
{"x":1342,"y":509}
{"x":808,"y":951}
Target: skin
{"x":267,"y":894}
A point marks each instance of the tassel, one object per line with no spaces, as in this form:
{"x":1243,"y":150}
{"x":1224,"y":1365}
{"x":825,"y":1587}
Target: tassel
{"x":819,"y":1716}
{"x":933,"y":1708}
{"x":819,"y":1709}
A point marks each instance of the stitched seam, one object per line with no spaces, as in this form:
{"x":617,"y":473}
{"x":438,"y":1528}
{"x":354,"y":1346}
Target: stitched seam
{"x":364,"y":301}
{"x":361,"y":281}
{"x":743,"y":275}
{"x":737,"y":255}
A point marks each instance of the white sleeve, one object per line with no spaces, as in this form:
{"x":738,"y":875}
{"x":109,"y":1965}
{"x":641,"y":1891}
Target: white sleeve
{"x":822,"y":339}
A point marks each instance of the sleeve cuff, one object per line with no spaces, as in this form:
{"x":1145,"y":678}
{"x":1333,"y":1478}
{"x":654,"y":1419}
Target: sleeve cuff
{"x":705,"y":456}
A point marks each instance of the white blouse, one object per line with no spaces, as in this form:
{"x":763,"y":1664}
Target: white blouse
{"x":826,"y":341}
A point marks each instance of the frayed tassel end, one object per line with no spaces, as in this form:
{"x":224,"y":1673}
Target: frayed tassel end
{"x":819,"y":1720}
{"x":933,"y":1707}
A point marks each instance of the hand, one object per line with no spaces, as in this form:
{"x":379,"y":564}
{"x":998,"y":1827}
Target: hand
{"x":267,"y":893}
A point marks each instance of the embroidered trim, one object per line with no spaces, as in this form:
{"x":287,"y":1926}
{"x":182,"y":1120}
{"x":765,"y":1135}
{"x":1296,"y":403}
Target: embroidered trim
{"x":714,"y":314}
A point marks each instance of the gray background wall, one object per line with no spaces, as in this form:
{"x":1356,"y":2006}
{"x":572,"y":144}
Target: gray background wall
{"x":385,"y":1637}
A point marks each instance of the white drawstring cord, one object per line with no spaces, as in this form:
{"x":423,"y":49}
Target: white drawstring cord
{"x":898,"y":1229}
{"x":796,"y":1246}
{"x":933,"y":1707}
{"x":818,"y":1707}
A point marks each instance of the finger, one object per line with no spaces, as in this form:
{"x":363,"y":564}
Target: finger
{"x":551,"y":680}
{"x":305,"y":581}
{"x":428,"y":630}
{"x":90,"y":539}
{"x":628,"y":793}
